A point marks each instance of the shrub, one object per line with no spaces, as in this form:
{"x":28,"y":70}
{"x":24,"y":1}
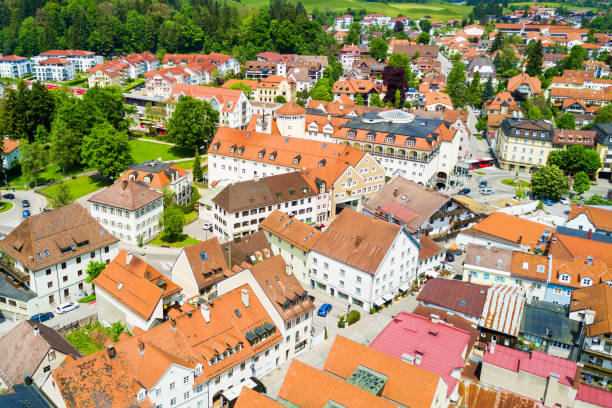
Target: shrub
{"x":372,"y":310}
{"x":353,"y":317}
{"x":87,"y":299}
{"x":341,"y":323}
{"x":325,"y":337}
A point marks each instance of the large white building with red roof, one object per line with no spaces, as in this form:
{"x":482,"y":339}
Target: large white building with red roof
{"x":54,"y":69}
{"x":82,"y":60}
{"x":14,"y":66}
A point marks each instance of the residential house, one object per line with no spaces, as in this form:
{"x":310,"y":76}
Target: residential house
{"x":349,"y":54}
{"x":241,"y":206}
{"x":222,"y":62}
{"x":502,"y":103}
{"x":530,"y":273}
{"x":569,"y":137}
{"x":14,"y":66}
{"x":293,"y":240}
{"x":523,"y":144}
{"x":431,"y":344}
{"x":353,"y":87}
{"x":501,"y":315}
{"x":48,"y":253}
{"x":484,"y":66}
{"x":10,"y":156}
{"x":486,"y":265}
{"x":603,"y":146}
{"x":474,"y":30}
{"x":158,"y":175}
{"x":591,"y":99}
{"x":525,"y":85}
{"x":464,"y":299}
{"x":599,"y":68}
{"x":283,"y":298}
{"x":54,"y":69}
{"x":252,"y":248}
{"x":590,"y":218}
{"x":410,"y":50}
{"x":437,"y":101}
{"x":81,"y":60}
{"x":431,"y":257}
{"x":343,"y":23}
{"x":200,"y":267}
{"x":375,"y":20}
{"x":233,"y":106}
{"x":111,"y":73}
{"x":130,"y":210}
{"x":35,"y":350}
{"x":338,"y":266}
{"x":536,"y":375}
{"x":567,"y":275}
{"x":592,"y":306}
{"x":131,"y":291}
{"x":161,"y":82}
{"x":202,"y":356}
{"x":275,"y":86}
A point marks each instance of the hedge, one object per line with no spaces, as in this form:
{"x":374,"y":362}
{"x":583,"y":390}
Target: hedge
{"x":87,"y":299}
{"x":353,"y":317}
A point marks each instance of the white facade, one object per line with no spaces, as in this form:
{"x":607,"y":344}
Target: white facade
{"x":222,"y":167}
{"x":231,"y":65}
{"x":55,"y":71}
{"x":130,"y":226}
{"x":108,"y":307}
{"x":82,"y":61}
{"x":581,"y":222}
{"x":343,"y":23}
{"x":14,"y":67}
{"x":397,"y":271}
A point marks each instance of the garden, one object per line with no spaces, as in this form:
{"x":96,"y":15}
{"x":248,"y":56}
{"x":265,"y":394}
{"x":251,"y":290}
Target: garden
{"x":92,"y":337}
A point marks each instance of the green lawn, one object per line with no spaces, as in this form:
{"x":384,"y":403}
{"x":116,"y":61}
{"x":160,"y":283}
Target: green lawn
{"x":188,"y":164}
{"x":5,"y":206}
{"x":187,"y":240}
{"x":547,"y":4}
{"x":438,"y":10}
{"x":143,"y":151}
{"x":512,"y":183}
{"x":78,"y":187}
{"x":53,"y":172}
{"x":83,"y":342}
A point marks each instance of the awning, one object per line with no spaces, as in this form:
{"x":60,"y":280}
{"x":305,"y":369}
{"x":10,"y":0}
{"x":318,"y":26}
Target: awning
{"x":379,"y":302}
{"x":404,"y":287}
{"x":387,"y":297}
{"x":234,"y":392}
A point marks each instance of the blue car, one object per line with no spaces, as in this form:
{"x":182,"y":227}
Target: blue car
{"x":548,"y":201}
{"x":42,"y":317}
{"x":26,"y":213}
{"x":483,"y":184}
{"x":324,"y":309}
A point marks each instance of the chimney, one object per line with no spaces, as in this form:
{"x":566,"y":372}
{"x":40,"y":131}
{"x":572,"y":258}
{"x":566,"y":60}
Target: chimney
{"x":409,"y":358}
{"x":110,"y":350}
{"x":357,"y":241}
{"x":173,"y":324}
{"x":205,"y":312}
{"x":418,"y":357}
{"x":124,"y":183}
{"x":549,"y":268}
{"x":589,"y":260}
{"x":520,"y":238}
{"x":141,"y":347}
{"x":589,"y":234}
{"x":395,"y":192}
{"x":128,"y":258}
{"x":492,"y":347}
{"x":36,"y":330}
{"x":245,"y":297}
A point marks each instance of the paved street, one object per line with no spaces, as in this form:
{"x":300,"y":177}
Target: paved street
{"x":11,"y":218}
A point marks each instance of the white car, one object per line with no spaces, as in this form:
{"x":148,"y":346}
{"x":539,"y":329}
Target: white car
{"x":564,"y":201}
{"x":207,"y":226}
{"x":486,"y":191}
{"x":66,"y":307}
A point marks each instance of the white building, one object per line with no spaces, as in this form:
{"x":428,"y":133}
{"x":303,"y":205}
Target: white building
{"x":162,"y":81}
{"x":13,"y":66}
{"x":158,"y":175}
{"x":54,"y":69}
{"x":49,"y":253}
{"x":129,"y":210}
{"x":375,"y":20}
{"x":343,"y":23}
{"x":590,"y":218}
{"x":82,"y":60}
{"x":363,"y":261}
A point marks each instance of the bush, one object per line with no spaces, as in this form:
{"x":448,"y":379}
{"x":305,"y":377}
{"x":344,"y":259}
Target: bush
{"x":87,"y":299}
{"x":341,"y":323}
{"x":325,"y":337}
{"x":372,"y":310}
{"x":353,"y":317}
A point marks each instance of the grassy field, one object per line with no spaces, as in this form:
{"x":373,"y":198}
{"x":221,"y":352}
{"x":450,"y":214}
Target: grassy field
{"x":187,"y":240}
{"x":5,"y":206}
{"x":438,"y":10}
{"x":512,"y":183}
{"x":143,"y":151}
{"x":549,"y":4}
{"x":78,"y":187}
{"x":53,"y":172}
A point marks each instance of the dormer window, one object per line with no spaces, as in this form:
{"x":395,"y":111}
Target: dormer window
{"x":390,"y":139}
{"x":541,"y":268}
{"x":370,"y":137}
{"x":322,"y":163}
{"x":409,"y":143}
{"x":296,"y":159}
{"x":272,"y":156}
{"x":500,"y":262}
{"x":587,"y":282}
{"x":261,"y":153}
{"x":216,"y":146}
{"x":525,"y":265}
{"x":233,"y":149}
{"x":564,"y":278}
{"x":141,"y":395}
{"x":240,"y":150}
{"x":351,"y":134}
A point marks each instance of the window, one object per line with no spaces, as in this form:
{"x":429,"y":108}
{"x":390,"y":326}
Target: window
{"x":63,"y":265}
{"x":65,"y":279}
{"x":106,"y":249}
{"x":51,"y":355}
{"x":217,"y":379}
{"x":185,"y":380}
{"x":358,"y":279}
{"x":564,"y":278}
{"x":173,"y":401}
{"x":49,"y":284}
{"x":92,"y":255}
{"x":48,"y":272}
{"x":243,"y":365}
{"x":172,"y":385}
{"x":47,"y":369}
{"x":230,"y":373}
{"x":78,"y":259}
{"x":486,"y":276}
{"x":358,"y":291}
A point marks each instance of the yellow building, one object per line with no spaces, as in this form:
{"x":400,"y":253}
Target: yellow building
{"x":107,"y":75}
{"x":603,"y":146}
{"x":523,"y":144}
{"x":274,"y":86}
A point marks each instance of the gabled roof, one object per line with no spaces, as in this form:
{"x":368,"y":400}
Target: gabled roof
{"x":69,"y":53}
{"x":160,"y":173}
{"x":12,"y":58}
{"x":356,"y":86}
{"x":24,"y":351}
{"x":429,"y":248}
{"x":597,"y":298}
{"x":601,"y":218}
{"x":252,"y":399}
{"x":291,"y":230}
{"x":227,"y":98}
{"x":357,"y":240}
{"x":534,"y":83}
{"x":249,"y":248}
{"x":512,"y":228}
{"x":503,"y":310}
{"x":491,"y":258}
{"x":530,"y":266}
{"x":454,"y":295}
{"x":10,"y":145}
{"x":126,"y":194}
{"x":568,"y":248}
{"x":593,"y":395}
{"x":207,"y":261}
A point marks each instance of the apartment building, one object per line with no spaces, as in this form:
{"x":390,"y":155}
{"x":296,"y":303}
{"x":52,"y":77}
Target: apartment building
{"x":161,"y":82}
{"x":292,"y":239}
{"x":169,"y":365}
{"x":129,"y":210}
{"x":523,"y":144}
{"x":338,"y":266}
{"x":588,"y":97}
{"x":157,"y":175}
{"x":353,"y":87}
{"x":343,"y":23}
{"x":603,"y":138}
{"x":487,"y":266}
{"x":48,"y":253}
{"x":223,"y":63}
{"x":274,"y":86}
{"x":14,"y":66}
{"x":502,"y":103}
{"x":240,"y":207}
{"x":116,"y":72}
{"x":349,"y":53}
{"x":54,"y":69}
{"x":81,"y":60}
{"x":233,"y":106}
{"x":375,"y":20}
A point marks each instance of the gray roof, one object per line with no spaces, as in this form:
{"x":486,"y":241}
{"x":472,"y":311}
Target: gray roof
{"x":151,"y":166}
{"x":24,"y":396}
{"x":510,"y":126}
{"x":549,"y":321}
{"x":10,"y":292}
{"x":492,"y":258}
{"x":420,"y":127}
{"x":604,"y":133}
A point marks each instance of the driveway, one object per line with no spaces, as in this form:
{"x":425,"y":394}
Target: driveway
{"x":195,"y":230}
{"x":13,"y":217}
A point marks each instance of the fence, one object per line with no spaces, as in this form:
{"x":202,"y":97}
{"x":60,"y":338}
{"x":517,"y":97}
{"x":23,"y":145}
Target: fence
{"x":76,"y":325}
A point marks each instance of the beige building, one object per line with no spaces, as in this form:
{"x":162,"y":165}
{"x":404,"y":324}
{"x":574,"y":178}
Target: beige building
{"x":108,"y":75}
{"x":274,"y":86}
{"x":523,"y":144}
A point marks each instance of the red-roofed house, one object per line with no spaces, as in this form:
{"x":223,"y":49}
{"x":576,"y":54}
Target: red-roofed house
{"x":13,"y":66}
{"x":10,"y":156}
{"x":588,"y":218}
{"x":525,"y":84}
{"x":82,"y":60}
{"x":429,"y":342}
{"x":552,"y":380}
{"x":54,"y":69}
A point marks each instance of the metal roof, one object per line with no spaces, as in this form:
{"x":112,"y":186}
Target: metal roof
{"x":549,"y":321}
{"x":503,"y":310}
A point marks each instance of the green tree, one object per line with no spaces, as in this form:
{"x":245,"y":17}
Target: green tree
{"x":197,"y":167}
{"x":107,"y":150}
{"x":534,"y":112}
{"x":14,"y":112}
{"x":474,"y":91}
{"x":94,"y":269}
{"x":401,"y":60}
{"x":375,"y":101}
{"x":535,"y":55}
{"x":65,"y":145}
{"x":33,"y":158}
{"x":174,"y":220}
{"x":359,"y":99}
{"x":425,"y":25}
{"x":487,"y":91}
{"x":481,"y":125}
{"x":581,"y":159}
{"x":497,"y":43}
{"x":604,"y":115}
{"x":41,"y":107}
{"x":193,"y":123}
{"x":354,"y":34}
{"x":62,"y":195}
{"x":109,"y":102}
{"x":241,"y":86}
{"x":280,"y":99}
{"x":30,"y":35}
{"x":566,"y":121}
{"x":549,"y":182}
{"x":378,"y":48}
{"x":423,"y":38}
{"x":456,"y":85}
{"x":581,"y":183}
{"x":597,"y":199}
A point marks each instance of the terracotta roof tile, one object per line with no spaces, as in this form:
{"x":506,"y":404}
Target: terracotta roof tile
{"x":160,"y":173}
{"x":567,"y":248}
{"x":208,"y":262}
{"x":252,"y":399}
{"x":10,"y":145}
{"x":429,"y":248}
{"x":597,"y":298}
{"x":512,"y":228}
{"x":531,"y":266}
{"x":294,"y":231}
{"x":458,"y":296}
{"x":534,"y":83}
{"x":126,"y":194}
{"x":601,"y":218}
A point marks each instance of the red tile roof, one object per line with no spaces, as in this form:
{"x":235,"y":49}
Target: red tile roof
{"x":68,"y":53}
{"x":62,"y":61}
{"x":10,"y":145}
{"x":534,"y":83}
{"x":12,"y":58}
{"x":601,"y":218}
{"x":252,"y":399}
{"x":227,"y":98}
{"x":593,"y":395}
{"x":454,"y":295}
{"x":291,"y":108}
{"x":512,"y":228}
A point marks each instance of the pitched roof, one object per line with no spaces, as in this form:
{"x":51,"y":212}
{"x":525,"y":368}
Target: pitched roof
{"x":357,"y":240}
{"x":10,"y":145}
{"x":458,"y":296}
{"x":549,"y":320}
{"x":593,"y":395}
{"x":291,"y":108}
{"x":61,"y":61}
{"x":24,"y":351}
{"x":534,"y":83}
{"x":68,"y":53}
{"x":512,"y":228}
{"x":249,"y":248}
{"x":207,"y":262}
{"x":442,"y":347}
{"x":491,"y":258}
{"x":306,"y":386}
{"x":597,"y":298}
{"x":291,"y":230}
{"x":412,"y":49}
{"x":226,"y":98}
{"x":252,"y":399}
{"x":570,"y":137}
{"x":435,"y":97}
{"x":601,"y":218}
{"x":407,"y":201}
{"x":451,"y":319}
{"x":429,"y":248}
{"x":12,"y":58}
{"x":406,"y":384}
{"x":567,"y":247}
{"x":503,"y":309}
{"x":159,"y":173}
{"x":528,"y":265}
{"x":355,"y":86}
{"x":126,"y":194}
{"x":54,"y":236}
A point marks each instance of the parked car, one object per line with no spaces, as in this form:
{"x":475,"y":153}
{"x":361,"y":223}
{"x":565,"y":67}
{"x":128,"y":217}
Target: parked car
{"x":66,"y":307}
{"x":483,"y":184}
{"x":26,"y":213}
{"x":42,"y":317}
{"x":548,"y":201}
{"x":9,"y":196}
{"x":324,"y":309}
{"x":564,"y":201}
{"x":486,"y":191}
{"x":207,"y":226}
{"x":25,"y":203}
{"x":464,"y":191}
{"x":450,"y":257}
